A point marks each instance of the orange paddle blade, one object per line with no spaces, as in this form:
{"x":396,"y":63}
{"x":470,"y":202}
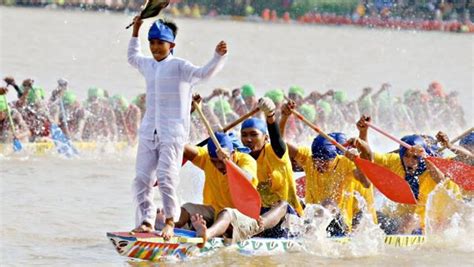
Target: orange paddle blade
{"x":387,"y":182}
{"x":461,"y":173}
{"x":245,"y":197}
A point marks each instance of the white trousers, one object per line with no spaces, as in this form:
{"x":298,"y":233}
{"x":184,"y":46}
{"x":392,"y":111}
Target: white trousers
{"x":166,"y":159}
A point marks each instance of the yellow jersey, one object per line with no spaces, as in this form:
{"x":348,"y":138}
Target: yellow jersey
{"x":337,"y":184}
{"x":216,"y":192}
{"x":275,"y":179}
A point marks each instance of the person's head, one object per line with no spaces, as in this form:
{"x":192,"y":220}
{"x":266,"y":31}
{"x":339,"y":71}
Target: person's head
{"x":468,"y":142}
{"x":340,"y":97}
{"x":35,"y":95}
{"x":324,"y":152}
{"x":95,"y":93}
{"x":3,"y":108}
{"x":248,"y":94}
{"x":308,"y":111}
{"x":119,"y":102}
{"x":435,"y":89}
{"x":277,"y":96}
{"x":222,"y":107}
{"x":161,"y":38}
{"x":69,"y":98}
{"x":296,"y":94}
{"x":226,"y":143}
{"x":409,"y":159}
{"x":254,"y":134}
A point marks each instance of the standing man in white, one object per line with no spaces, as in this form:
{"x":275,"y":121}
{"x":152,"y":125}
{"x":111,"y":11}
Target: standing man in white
{"x":165,"y":126}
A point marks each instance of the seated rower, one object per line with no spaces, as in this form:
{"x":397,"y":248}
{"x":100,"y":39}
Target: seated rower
{"x":276,"y":184}
{"x":218,"y":216}
{"x":331,"y":178}
{"x":421,"y":175}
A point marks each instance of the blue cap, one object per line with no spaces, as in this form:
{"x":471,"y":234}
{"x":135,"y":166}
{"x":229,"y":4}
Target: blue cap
{"x":325,"y":150}
{"x":467,"y":140}
{"x":225,"y":142}
{"x":159,"y":30}
{"x":255,"y":123}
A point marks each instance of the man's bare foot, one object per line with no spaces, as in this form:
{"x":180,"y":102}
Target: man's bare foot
{"x":160,"y":220}
{"x":143,"y":228}
{"x":167,"y":232}
{"x":199,"y":224}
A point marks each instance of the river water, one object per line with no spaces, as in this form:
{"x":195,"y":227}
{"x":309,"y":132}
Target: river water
{"x":55,"y":211}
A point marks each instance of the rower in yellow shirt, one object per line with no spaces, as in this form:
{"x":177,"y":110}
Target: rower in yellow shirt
{"x":421,"y":175}
{"x":217,"y":213}
{"x":276,"y":185}
{"x":330,"y":177}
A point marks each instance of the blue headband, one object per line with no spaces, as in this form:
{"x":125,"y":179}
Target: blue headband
{"x":255,"y":123}
{"x":413,"y":179}
{"x":224,"y":140}
{"x":160,"y":31}
{"x":468,"y":140}
{"x":325,"y":150}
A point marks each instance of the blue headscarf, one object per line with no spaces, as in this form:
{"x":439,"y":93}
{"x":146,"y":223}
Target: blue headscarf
{"x":467,"y":140}
{"x":413,"y":179}
{"x":255,"y":123}
{"x":325,"y":150}
{"x":224,"y":140}
{"x":159,"y":30}
{"x":237,"y":144}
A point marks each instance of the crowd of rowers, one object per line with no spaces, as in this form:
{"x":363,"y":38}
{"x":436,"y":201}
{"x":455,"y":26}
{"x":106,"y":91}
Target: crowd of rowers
{"x":270,"y":148}
{"x":105,"y":118}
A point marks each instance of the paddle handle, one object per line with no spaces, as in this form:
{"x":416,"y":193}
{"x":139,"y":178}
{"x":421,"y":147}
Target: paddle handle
{"x":241,"y":119}
{"x":458,"y":138}
{"x":318,"y":130}
{"x":129,"y":25}
{"x":407,"y":146}
{"x":233,"y":124}
{"x":208,"y":126}
{"x":10,"y":116}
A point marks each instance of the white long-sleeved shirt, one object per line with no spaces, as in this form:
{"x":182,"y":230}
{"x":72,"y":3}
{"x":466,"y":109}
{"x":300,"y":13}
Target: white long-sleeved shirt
{"x":169,"y":86}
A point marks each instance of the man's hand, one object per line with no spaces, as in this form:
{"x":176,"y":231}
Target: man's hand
{"x":221,"y":48}
{"x":443,"y":139}
{"x":351,"y":154}
{"x":223,"y":154}
{"x":267,"y":106}
{"x":9,"y":80}
{"x":362,"y":125}
{"x":287,"y":108}
{"x":137,"y":23}
{"x":28,"y":83}
{"x":3,"y":90}
{"x":196,"y":98}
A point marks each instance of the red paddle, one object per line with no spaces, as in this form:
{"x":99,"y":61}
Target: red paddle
{"x":244,"y":196}
{"x":387,"y":182}
{"x":461,"y":173}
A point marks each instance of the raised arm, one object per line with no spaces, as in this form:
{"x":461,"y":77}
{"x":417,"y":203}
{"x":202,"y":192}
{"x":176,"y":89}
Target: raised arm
{"x":135,"y":56}
{"x":285,"y":114}
{"x":194,"y":74}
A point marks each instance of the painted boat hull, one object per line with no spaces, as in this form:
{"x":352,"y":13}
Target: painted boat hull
{"x":151,"y":247}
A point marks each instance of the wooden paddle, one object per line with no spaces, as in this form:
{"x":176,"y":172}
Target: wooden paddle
{"x":17,"y":146}
{"x":461,"y":173}
{"x":387,"y":182}
{"x":244,"y":196}
{"x":464,"y":134}
{"x":232,"y":124}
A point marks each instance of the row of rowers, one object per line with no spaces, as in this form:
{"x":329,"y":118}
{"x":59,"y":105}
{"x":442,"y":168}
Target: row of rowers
{"x":332,"y":181}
